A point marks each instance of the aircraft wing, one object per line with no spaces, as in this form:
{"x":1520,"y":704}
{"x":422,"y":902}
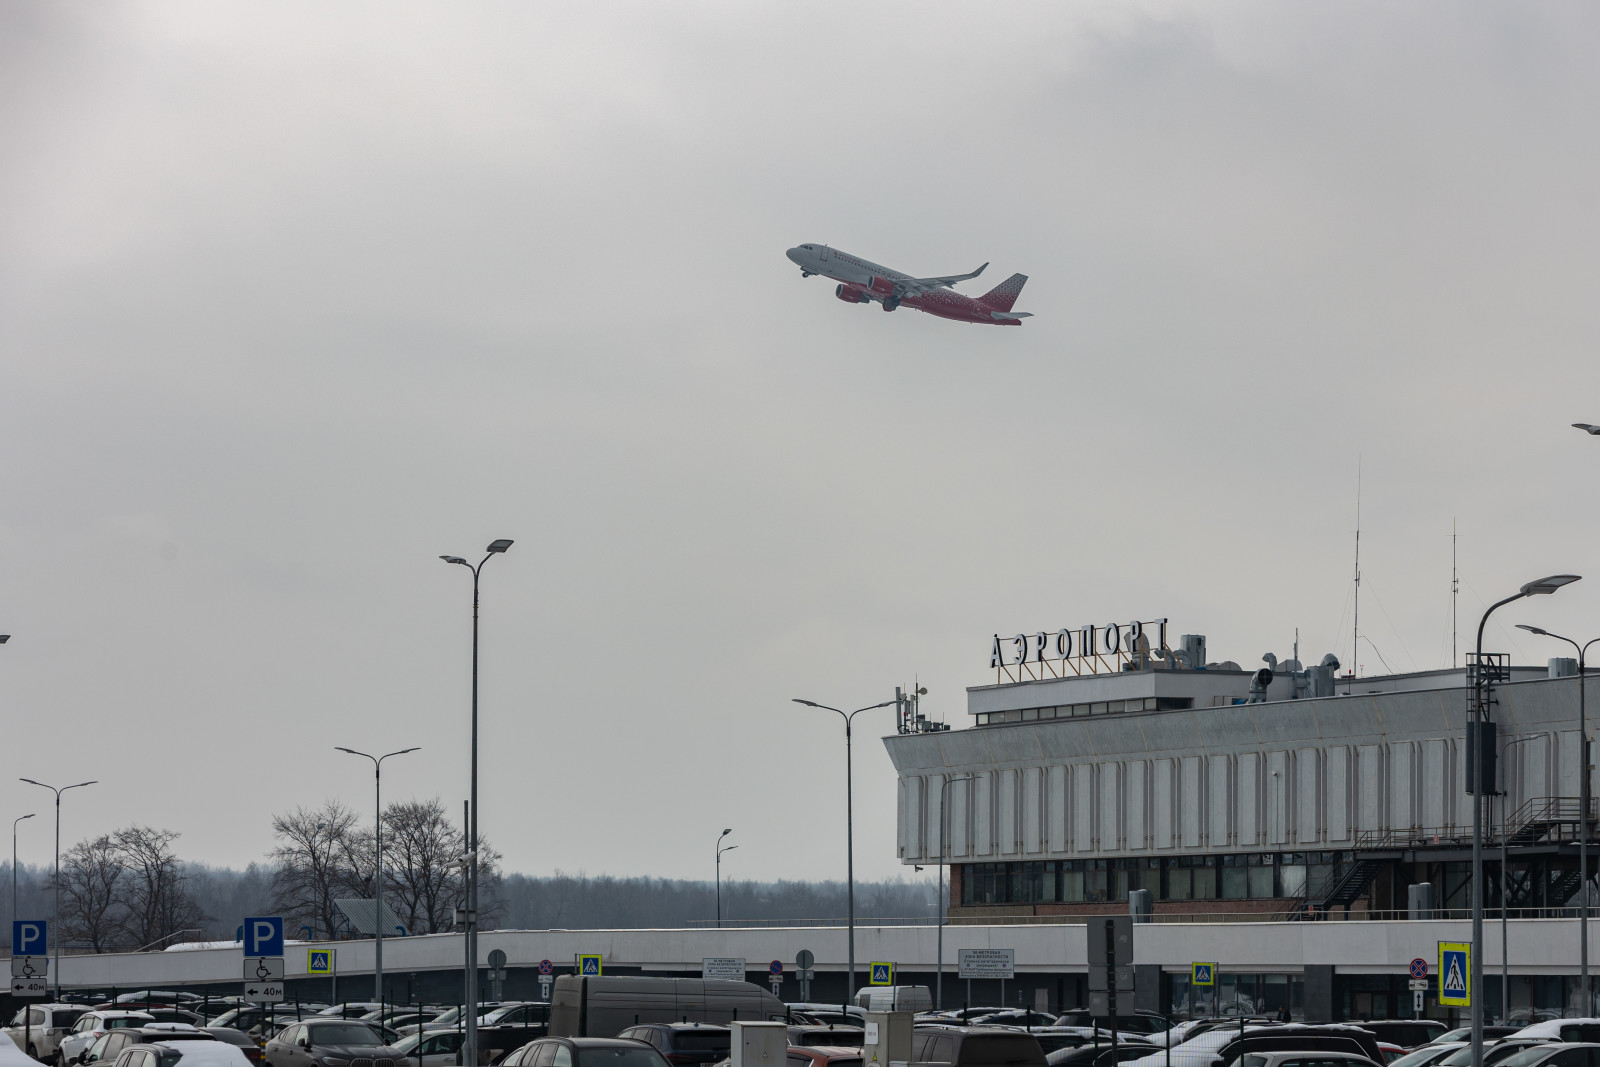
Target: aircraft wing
{"x":923,"y":285}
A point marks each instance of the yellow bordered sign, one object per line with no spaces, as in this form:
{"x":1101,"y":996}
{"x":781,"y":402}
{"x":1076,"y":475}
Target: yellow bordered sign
{"x":319,"y":960}
{"x":882,"y":974}
{"x":1455,"y":974}
{"x":1203,"y":973}
{"x":589,"y":966}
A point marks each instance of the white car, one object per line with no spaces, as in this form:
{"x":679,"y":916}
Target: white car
{"x":91,"y":1026}
{"x":11,"y":1055}
{"x":439,"y":1049}
{"x":186,"y":1054}
{"x":39,"y":1028}
{"x":1562,"y":1030}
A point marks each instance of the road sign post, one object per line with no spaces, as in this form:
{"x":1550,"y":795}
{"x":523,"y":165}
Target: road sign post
{"x":497,"y":974}
{"x":1455,"y":974}
{"x":325,"y":961}
{"x":803,"y":961}
{"x":547,"y":972}
{"x":589,"y":966}
{"x":1110,"y":956}
{"x":263,"y":979}
{"x":881,"y":974}
{"x":30,"y":978}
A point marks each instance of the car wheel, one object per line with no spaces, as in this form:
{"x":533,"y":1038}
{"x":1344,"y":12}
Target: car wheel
{"x":33,"y":1052}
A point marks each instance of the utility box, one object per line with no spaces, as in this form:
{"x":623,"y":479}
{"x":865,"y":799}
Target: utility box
{"x":887,"y":1039}
{"x":1420,"y":900}
{"x":759,"y":1044}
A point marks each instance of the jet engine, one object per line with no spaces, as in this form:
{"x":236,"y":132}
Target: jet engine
{"x":881,"y":286}
{"x":849,"y":294}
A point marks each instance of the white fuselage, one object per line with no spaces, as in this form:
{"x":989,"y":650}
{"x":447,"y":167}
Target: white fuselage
{"x":840,"y":266}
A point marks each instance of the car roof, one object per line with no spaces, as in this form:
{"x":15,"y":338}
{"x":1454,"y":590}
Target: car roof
{"x":597,"y":1042}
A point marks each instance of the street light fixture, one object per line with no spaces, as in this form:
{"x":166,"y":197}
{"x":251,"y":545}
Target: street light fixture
{"x":377,"y":866}
{"x":14,"y":822}
{"x":944,"y":904}
{"x":849,"y":830}
{"x":1542,"y":587}
{"x":469,"y":1043}
{"x":57,"y":939}
{"x":720,"y":851}
{"x":1583,"y":806}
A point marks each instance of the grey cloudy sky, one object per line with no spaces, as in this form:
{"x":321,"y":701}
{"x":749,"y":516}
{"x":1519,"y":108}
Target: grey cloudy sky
{"x":294,"y":298}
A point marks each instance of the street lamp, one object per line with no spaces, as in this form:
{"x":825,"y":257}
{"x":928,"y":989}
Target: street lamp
{"x":1583,"y":805}
{"x":944,"y":905}
{"x":849,"y":831}
{"x":14,"y":822}
{"x":1505,"y":882}
{"x":1541,"y":587}
{"x":56,"y":941}
{"x":720,"y":851}
{"x":469,"y":1043}
{"x":377,"y":877}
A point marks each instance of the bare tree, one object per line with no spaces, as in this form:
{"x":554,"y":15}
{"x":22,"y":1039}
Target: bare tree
{"x":419,"y":840}
{"x":90,"y":875}
{"x":312,"y":857}
{"x":153,"y":891}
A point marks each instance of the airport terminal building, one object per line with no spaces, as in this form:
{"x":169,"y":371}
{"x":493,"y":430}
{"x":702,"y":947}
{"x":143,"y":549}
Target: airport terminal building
{"x":1103,"y":761}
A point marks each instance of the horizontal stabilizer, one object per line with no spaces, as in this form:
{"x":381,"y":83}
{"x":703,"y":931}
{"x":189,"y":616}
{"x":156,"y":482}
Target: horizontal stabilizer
{"x":1002,"y":316}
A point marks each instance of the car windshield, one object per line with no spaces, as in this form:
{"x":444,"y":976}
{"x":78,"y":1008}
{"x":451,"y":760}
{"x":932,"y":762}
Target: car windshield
{"x":1526,"y":1058}
{"x":619,"y":1057}
{"x":407,"y":1044}
{"x":1418,"y":1058}
{"x":344,"y":1034}
{"x":992,"y":1051}
{"x":121,"y":1023}
{"x":703,"y":1040}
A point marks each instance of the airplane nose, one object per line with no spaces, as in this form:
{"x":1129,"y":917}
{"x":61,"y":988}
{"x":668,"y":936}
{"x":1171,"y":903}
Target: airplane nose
{"x":793,"y":254}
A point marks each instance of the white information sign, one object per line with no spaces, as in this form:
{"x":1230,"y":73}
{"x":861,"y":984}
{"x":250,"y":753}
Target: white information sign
{"x":30,"y":966}
{"x":722,"y":969}
{"x":30,"y":987}
{"x":987,"y":963}
{"x":263,"y":979}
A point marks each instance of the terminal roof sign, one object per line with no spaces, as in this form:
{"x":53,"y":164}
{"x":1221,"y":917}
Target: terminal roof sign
{"x":1068,"y":653}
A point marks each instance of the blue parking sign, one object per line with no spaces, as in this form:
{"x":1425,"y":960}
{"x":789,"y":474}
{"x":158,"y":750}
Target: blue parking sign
{"x":263,"y":935}
{"x":29,"y":937}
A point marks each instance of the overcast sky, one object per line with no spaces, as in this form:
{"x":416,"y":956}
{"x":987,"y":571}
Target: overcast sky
{"x":295,"y":298}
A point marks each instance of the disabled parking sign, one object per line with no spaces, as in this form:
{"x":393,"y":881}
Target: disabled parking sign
{"x":1455,"y":974}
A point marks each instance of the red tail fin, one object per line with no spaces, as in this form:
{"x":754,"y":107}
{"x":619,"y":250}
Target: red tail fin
{"x":1002,"y":296}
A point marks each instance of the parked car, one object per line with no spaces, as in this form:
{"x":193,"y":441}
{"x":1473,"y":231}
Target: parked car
{"x":1563,"y":1030}
{"x":585,"y":1052}
{"x":964,"y":1046}
{"x":110,"y":1046}
{"x":1221,"y":1046}
{"x":260,"y":1022}
{"x":176,"y":1015}
{"x":1464,"y":1033}
{"x":354,"y":1009}
{"x":894,"y":998}
{"x":818,"y":1056}
{"x":1138,"y":1022}
{"x":181,"y":1054}
{"x":684,"y":1043}
{"x":11,"y":1055}
{"x":451,"y":1018}
{"x":239,"y":1040}
{"x":1407,"y":1033}
{"x":152,"y":997}
{"x":441,"y":1049}
{"x":1014,"y":1017}
{"x":1306,"y":1059}
{"x":324,"y":1042}
{"x":527,"y":1013}
{"x":39,"y":1029}
{"x":1096,"y":1055}
{"x":827,"y":1036}
{"x":1501,"y":1050}
{"x":844,"y":1015}
{"x":1557,"y":1054}
{"x":91,"y":1026}
{"x":1427,"y":1055}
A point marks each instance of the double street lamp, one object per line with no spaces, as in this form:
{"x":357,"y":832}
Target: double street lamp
{"x":1583,"y":806}
{"x":377,"y":864}
{"x":944,"y":904}
{"x":57,"y":938}
{"x":1541,"y":587}
{"x":720,"y":850}
{"x":849,"y":830}
{"x":469,"y":1044}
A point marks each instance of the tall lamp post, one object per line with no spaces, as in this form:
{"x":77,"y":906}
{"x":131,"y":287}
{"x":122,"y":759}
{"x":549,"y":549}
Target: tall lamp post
{"x":849,"y":831}
{"x":56,"y":941}
{"x":1505,"y":881}
{"x":1479,"y":712}
{"x":720,"y":851}
{"x":944,"y":904}
{"x":1583,"y":805}
{"x":469,"y":1043}
{"x":14,"y":822}
{"x":377,"y":865}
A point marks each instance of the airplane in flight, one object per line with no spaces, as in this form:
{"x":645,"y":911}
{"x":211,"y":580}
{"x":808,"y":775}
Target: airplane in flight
{"x":861,"y":282}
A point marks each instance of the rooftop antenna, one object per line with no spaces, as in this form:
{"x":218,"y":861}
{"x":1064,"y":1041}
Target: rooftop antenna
{"x":1355,"y":630}
{"x":1455,"y":593}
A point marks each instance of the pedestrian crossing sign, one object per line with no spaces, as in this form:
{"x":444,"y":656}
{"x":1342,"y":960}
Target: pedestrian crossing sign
{"x":882,"y":974}
{"x":319,"y":961}
{"x":1455,"y":974}
{"x":1203,"y":973}
{"x":589,"y":966}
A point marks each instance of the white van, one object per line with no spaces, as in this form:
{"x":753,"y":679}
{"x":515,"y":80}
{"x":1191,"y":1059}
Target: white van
{"x":895,"y":998}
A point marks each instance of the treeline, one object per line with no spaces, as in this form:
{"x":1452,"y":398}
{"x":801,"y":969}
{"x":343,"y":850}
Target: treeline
{"x":129,"y":889}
